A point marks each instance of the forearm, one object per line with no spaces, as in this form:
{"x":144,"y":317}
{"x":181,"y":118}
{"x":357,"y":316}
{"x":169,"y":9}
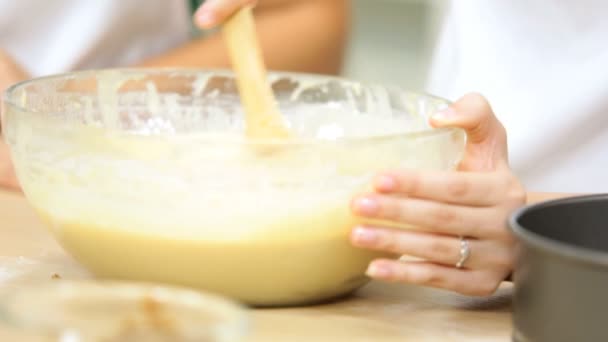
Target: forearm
{"x":306,"y":36}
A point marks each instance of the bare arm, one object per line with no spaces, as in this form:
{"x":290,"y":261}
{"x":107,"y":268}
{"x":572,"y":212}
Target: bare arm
{"x":296,"y":35}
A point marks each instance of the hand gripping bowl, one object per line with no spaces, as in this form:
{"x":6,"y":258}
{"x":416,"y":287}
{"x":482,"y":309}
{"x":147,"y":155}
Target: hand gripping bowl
{"x":146,"y":175}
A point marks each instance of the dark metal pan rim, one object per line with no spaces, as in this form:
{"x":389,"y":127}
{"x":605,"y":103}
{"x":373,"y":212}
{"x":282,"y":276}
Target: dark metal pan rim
{"x":558,"y":248}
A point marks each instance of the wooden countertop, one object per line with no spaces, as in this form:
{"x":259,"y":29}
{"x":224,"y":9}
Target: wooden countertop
{"x":378,"y":312}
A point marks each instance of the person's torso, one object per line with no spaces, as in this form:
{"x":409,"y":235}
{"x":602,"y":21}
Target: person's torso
{"x":543,"y":64}
{"x":62,"y":35}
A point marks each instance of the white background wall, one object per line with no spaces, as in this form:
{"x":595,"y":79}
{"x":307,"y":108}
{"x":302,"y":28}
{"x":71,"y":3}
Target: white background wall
{"x":391,"y":41}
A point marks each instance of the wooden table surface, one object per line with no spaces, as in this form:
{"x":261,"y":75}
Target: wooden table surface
{"x":378,"y":312}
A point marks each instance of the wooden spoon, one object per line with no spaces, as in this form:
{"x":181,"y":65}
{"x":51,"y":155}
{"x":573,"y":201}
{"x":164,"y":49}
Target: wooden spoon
{"x":262,"y":116}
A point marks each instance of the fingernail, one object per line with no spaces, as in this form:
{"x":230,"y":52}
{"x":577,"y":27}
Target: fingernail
{"x":205,"y":18}
{"x":444,"y":115}
{"x":376,"y":270}
{"x":385,"y":183}
{"x":365,"y":235}
{"x":366,"y":206}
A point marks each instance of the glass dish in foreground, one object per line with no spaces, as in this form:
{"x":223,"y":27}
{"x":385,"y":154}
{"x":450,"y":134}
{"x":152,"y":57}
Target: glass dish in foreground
{"x":87,"y":311}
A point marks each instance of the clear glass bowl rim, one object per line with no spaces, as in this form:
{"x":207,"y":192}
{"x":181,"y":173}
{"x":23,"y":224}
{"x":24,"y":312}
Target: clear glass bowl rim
{"x":9,"y":98}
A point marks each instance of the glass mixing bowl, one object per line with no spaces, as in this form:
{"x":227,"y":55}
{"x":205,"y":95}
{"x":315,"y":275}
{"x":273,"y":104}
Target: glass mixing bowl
{"x":146,"y":175}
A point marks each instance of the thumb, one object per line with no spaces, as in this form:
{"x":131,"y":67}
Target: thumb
{"x":486,"y":148}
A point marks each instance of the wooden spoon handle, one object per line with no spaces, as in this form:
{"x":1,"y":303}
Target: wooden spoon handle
{"x":262,"y":116}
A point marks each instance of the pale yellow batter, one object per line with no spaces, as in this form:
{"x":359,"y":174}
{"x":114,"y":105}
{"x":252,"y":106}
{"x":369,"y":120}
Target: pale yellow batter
{"x":277,"y":270}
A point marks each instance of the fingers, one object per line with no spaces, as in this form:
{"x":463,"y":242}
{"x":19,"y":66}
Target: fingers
{"x":474,"y":283}
{"x":214,"y":12}
{"x":432,"y":216}
{"x":486,"y":137}
{"x":465,"y":188}
{"x":439,"y":249}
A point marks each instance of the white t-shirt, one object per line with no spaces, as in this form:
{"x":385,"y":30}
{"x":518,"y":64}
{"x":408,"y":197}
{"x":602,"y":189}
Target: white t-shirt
{"x":543,"y":64}
{"x":52,"y":36}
